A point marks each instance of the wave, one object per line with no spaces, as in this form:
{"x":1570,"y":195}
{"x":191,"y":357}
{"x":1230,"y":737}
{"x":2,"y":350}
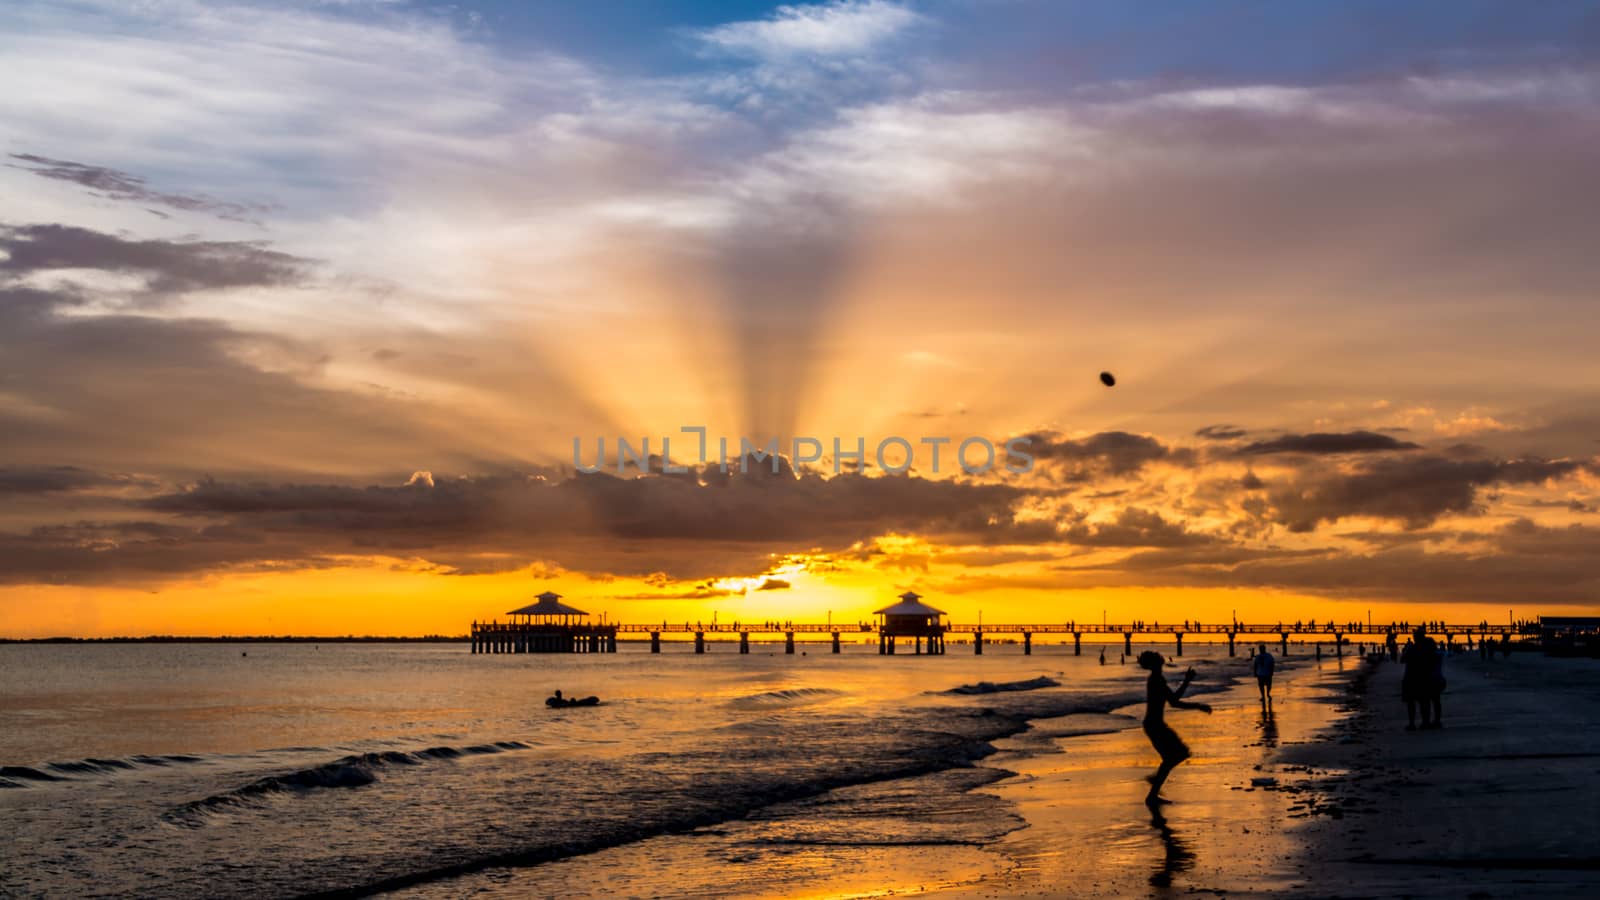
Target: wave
{"x":27,"y":774}
{"x":1002,"y":687}
{"x":353,"y":771}
{"x":786,"y":697}
{"x":66,"y":771}
{"x":726,"y":801}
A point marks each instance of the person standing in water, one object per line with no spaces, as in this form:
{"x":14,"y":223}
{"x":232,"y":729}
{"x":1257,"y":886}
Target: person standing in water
{"x":1261,"y":665}
{"x":1166,"y":741}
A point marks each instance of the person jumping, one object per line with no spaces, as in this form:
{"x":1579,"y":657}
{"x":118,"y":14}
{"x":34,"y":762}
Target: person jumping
{"x":1166,"y":741}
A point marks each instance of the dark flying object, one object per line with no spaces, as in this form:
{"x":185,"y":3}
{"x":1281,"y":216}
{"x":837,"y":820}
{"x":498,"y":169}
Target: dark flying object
{"x":1107,"y":379}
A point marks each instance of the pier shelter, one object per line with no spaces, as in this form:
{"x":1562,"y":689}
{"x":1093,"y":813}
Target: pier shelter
{"x":913,"y":619}
{"x":546,"y":626}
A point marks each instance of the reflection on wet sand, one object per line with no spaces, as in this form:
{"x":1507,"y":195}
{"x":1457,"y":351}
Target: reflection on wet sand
{"x":1176,"y":856}
{"x":1269,"y":728}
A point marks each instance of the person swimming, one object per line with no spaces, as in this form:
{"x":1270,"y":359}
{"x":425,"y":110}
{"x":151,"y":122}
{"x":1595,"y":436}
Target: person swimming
{"x":559,"y":702}
{"x":1166,"y":741}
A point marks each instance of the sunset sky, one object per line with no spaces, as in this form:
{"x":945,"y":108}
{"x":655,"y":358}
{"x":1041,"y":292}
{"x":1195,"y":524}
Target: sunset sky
{"x":302,"y":306}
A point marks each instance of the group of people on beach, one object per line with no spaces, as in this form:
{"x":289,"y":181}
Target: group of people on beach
{"x":1423,"y":680}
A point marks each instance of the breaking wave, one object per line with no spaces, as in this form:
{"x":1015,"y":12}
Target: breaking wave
{"x":786,"y":697}
{"x":1002,"y":687}
{"x":348,"y":772}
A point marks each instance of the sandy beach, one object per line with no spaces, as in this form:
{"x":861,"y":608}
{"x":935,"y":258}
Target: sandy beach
{"x":1329,"y":796}
{"x":1501,"y":802}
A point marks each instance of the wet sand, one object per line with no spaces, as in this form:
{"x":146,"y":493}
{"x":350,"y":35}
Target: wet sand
{"x":1331,"y":797}
{"x":1227,"y":829}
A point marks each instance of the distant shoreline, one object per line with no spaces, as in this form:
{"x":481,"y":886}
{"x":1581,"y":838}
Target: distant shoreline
{"x":245,"y":639}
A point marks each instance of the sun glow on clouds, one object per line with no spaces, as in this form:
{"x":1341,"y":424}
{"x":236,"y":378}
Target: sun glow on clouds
{"x":302,"y":302}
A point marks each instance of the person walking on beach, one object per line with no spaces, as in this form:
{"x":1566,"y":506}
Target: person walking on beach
{"x":1261,"y":665}
{"x":1420,"y":658}
{"x":1166,"y":741}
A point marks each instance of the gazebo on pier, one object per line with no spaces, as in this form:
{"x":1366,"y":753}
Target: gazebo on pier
{"x":546,"y":626}
{"x":913,"y":619}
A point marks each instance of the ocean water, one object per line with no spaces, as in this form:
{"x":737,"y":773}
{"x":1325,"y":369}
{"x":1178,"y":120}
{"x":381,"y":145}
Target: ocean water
{"x":219,"y":770}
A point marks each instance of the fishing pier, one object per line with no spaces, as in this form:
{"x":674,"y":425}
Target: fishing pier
{"x":911,"y":627}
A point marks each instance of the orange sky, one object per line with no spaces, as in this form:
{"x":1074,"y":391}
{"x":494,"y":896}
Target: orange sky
{"x":303,"y":343}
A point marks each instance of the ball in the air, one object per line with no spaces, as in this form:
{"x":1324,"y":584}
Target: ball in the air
{"x":1107,"y":379}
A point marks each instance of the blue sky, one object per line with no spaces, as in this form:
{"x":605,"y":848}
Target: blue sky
{"x":1100,"y":39}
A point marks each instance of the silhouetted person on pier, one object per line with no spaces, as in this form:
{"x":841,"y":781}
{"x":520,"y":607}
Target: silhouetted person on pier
{"x":1262,"y":666}
{"x":1166,"y":741}
{"x":1436,"y":690}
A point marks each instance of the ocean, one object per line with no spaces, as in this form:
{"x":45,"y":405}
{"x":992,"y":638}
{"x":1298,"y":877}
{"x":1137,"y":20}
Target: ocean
{"x":222,"y":770}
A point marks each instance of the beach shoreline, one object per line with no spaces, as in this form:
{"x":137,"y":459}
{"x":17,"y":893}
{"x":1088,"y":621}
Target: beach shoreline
{"x":1499,"y":802}
{"x":1336,"y":800}
{"x":1230,"y":826}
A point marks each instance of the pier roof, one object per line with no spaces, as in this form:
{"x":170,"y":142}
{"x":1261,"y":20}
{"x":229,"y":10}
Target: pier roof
{"x":910,"y":605}
{"x":549,"y":605}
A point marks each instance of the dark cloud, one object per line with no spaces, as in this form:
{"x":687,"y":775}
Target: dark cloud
{"x":1414,"y":490}
{"x":1108,"y":453}
{"x":1135,"y":527}
{"x":1521,"y":563}
{"x":1220,"y":432}
{"x":687,"y":528}
{"x":54,"y":479}
{"x":161,"y":394}
{"x":124,"y":552}
{"x":168,"y":267}
{"x":118,"y":185}
{"x":1321,"y":442}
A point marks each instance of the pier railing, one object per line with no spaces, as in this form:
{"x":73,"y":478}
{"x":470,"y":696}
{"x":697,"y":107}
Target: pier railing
{"x":521,"y":637}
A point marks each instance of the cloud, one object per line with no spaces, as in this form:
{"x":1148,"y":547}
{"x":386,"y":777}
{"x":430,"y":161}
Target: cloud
{"x":1108,"y":453}
{"x":840,"y":28}
{"x":1220,"y":432}
{"x":1135,"y":527}
{"x":691,"y":528}
{"x":119,"y":185}
{"x":1320,"y":443}
{"x":1521,"y":562}
{"x":1415,"y":491}
{"x":54,"y":479}
{"x":167,"y":267}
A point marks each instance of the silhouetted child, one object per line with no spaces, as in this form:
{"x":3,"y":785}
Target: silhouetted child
{"x":1166,"y":741}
